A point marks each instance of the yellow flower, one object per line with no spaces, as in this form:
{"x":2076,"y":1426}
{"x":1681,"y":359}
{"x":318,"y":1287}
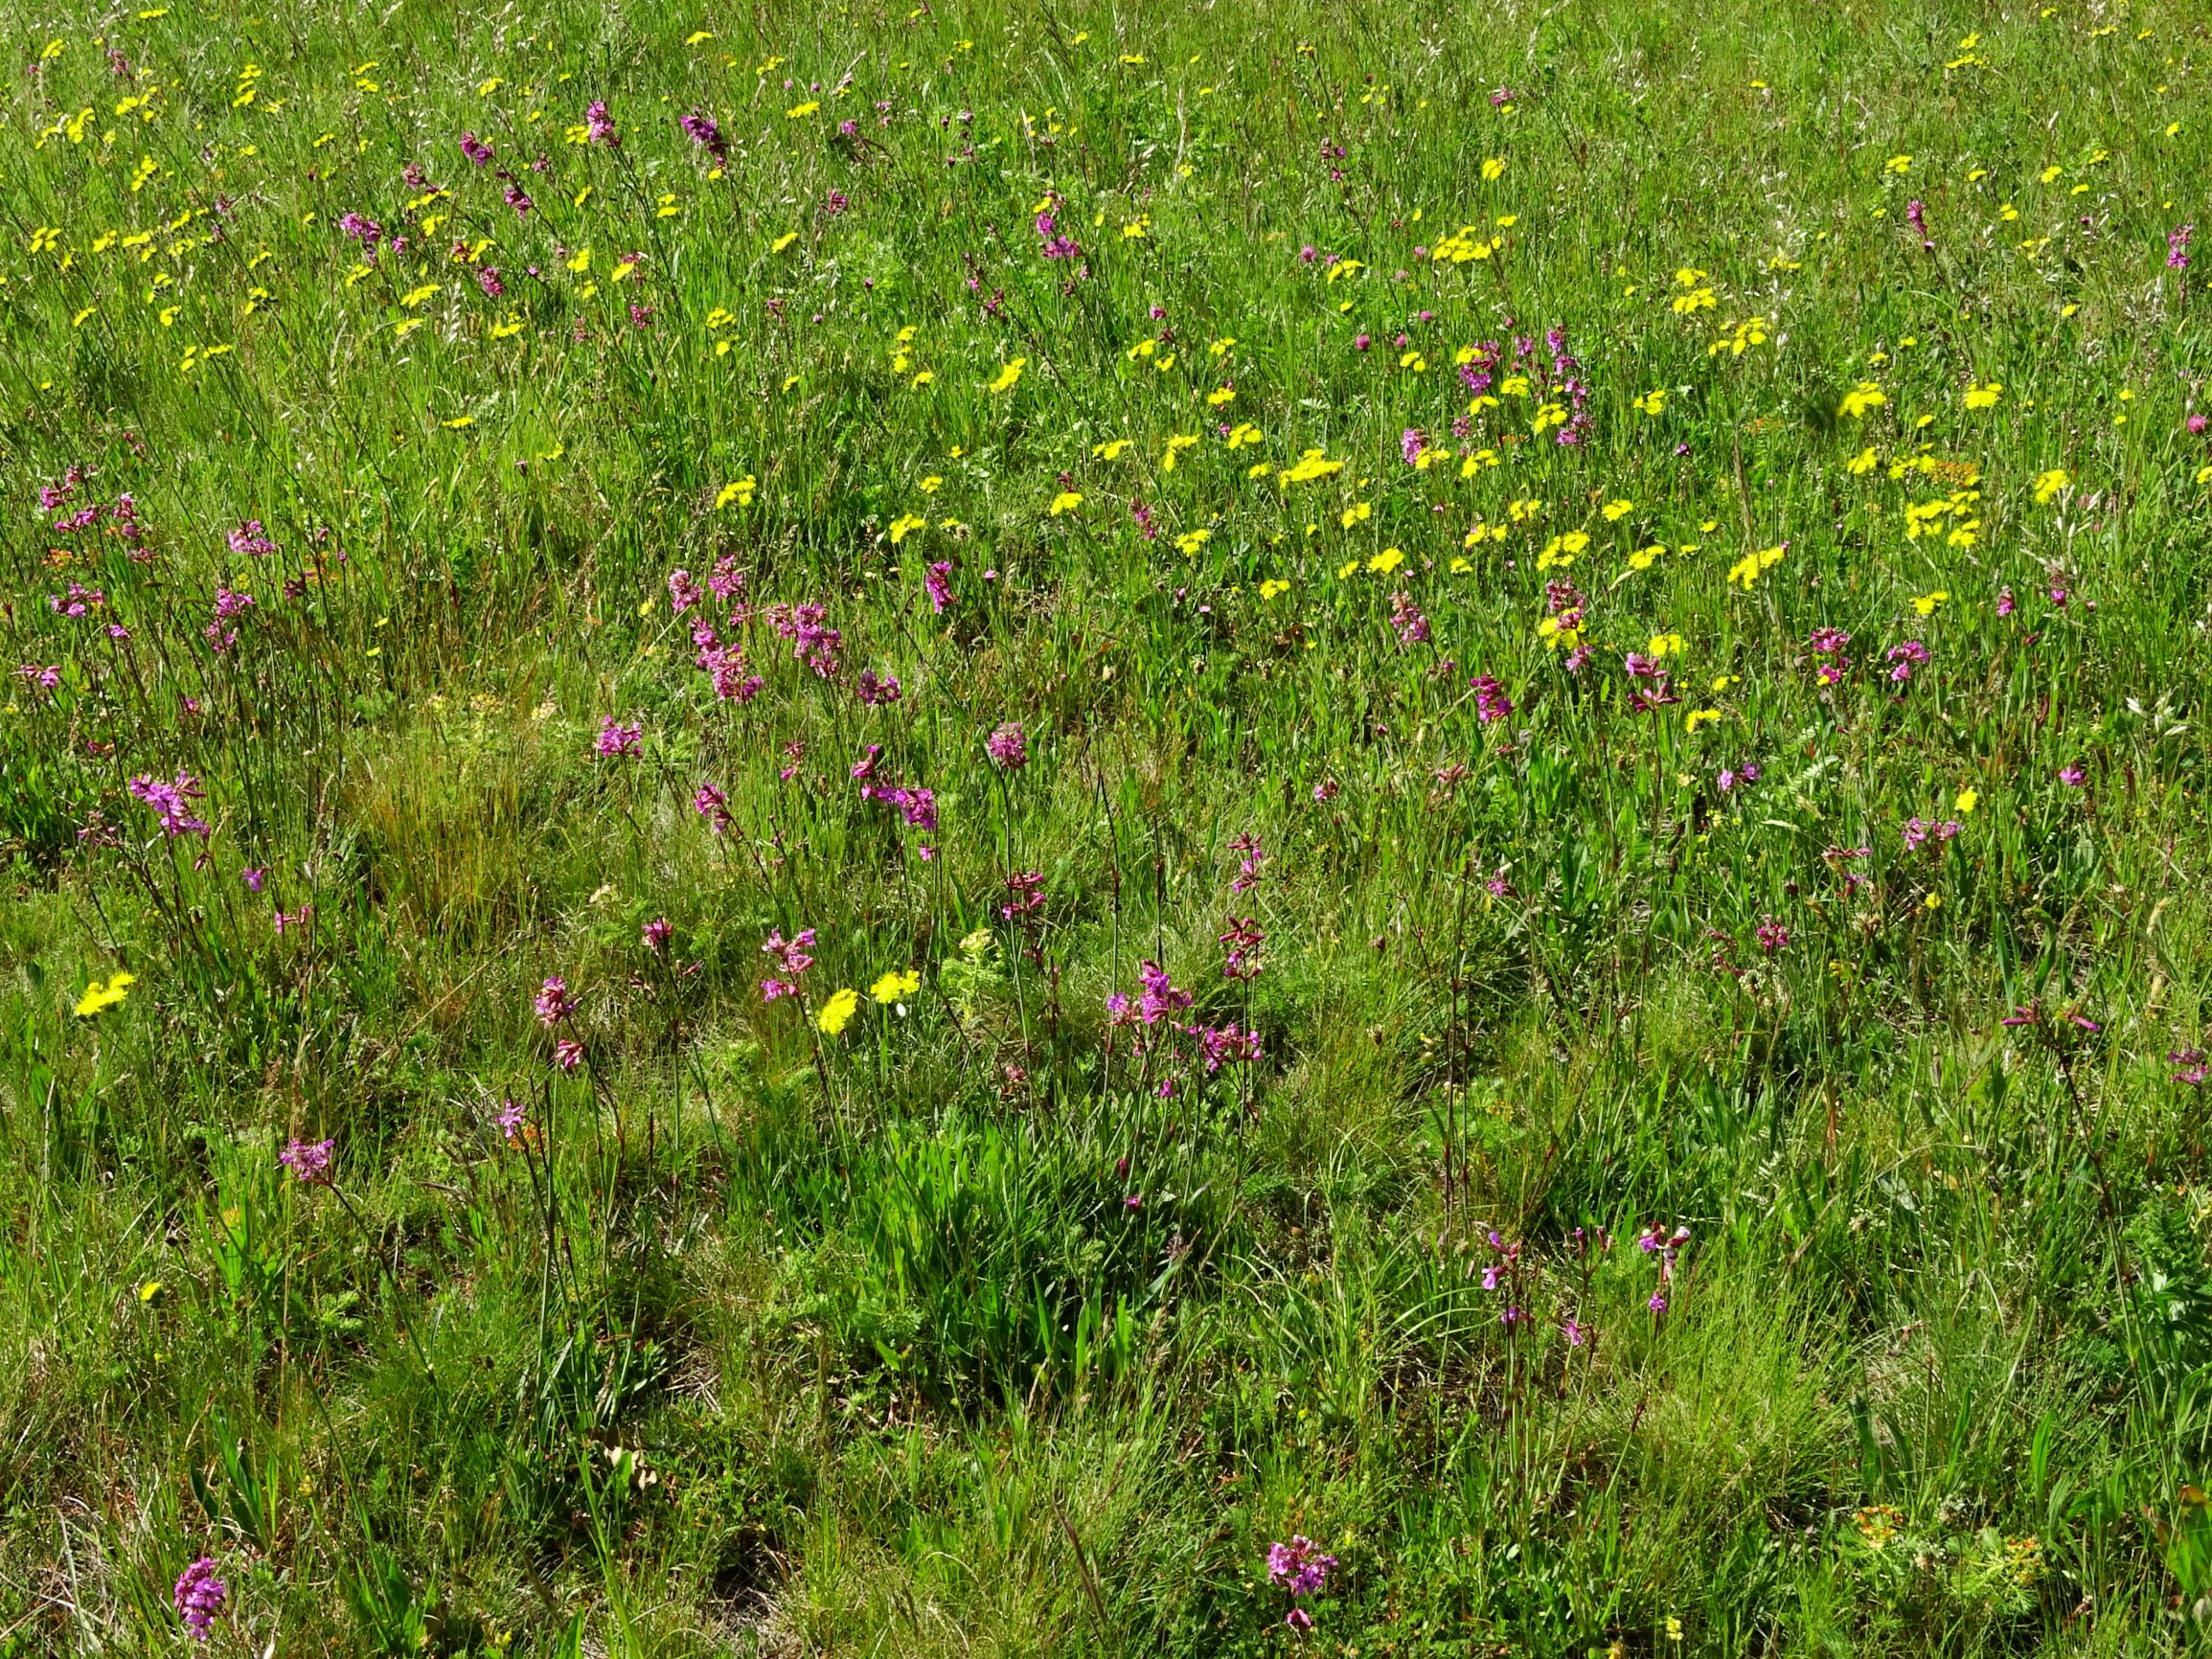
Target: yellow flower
{"x":1190,"y":541}
{"x":894,"y":985}
{"x":1926,"y":604}
{"x":837,"y":1013}
{"x":1272,"y":586}
{"x":98,"y":997}
{"x":740,"y":490}
{"x":151,"y":1290}
{"x":1933,"y":902}
{"x":1109,"y":449}
{"x":1494,"y":169}
{"x":1065,"y":502}
{"x":1618,"y":510}
{"x":2049,"y":484}
{"x":1652,"y":401}
{"x":905,"y":524}
{"x":1967,"y":800}
{"x":1386,"y":561}
{"x":1008,"y":375}
{"x":782,"y":241}
{"x":1865,"y":395}
{"x":1748,"y":569}
{"x":1980,"y":396}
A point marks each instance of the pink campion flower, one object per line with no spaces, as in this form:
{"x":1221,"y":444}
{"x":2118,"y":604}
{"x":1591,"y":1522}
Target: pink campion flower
{"x":2192,"y":1064}
{"x":1772,"y":936}
{"x":1025,"y":896}
{"x":552,"y":1003}
{"x":790,"y":957}
{"x":1300,"y":1566}
{"x":1491,"y":703}
{"x":937,"y":581}
{"x":200,"y":1596}
{"x":1227,"y":1046}
{"x":250,"y":540}
{"x":520,"y":201}
{"x":599,"y":126}
{"x":1908,"y":656}
{"x":712,"y":805}
{"x":2072,"y":775}
{"x":876,"y":692}
{"x":683,"y":593}
{"x":655,"y":935}
{"x":363,"y":230}
{"x":2178,"y":247}
{"x":2006,"y":603}
{"x":705,"y":133}
{"x":2197,"y":424}
{"x":309,"y":1161}
{"x":1247,"y":848}
{"x":1241,"y":942}
{"x":567,"y":1054}
{"x":1008,"y":748}
{"x":487,"y":278}
{"x":174,"y":802}
{"x":1410,"y":444}
{"x":1406,"y":620}
{"x":616,"y":738}
{"x":476,"y":150}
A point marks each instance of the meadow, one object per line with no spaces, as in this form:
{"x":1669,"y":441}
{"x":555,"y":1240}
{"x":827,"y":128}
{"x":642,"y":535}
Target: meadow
{"x":1030,"y":828}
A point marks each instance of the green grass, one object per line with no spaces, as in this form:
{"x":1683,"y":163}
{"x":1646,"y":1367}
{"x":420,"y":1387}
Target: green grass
{"x":1711,"y":1179}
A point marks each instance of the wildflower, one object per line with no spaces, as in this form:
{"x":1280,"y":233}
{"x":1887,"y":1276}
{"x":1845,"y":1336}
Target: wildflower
{"x":1299,"y":1566}
{"x":1491,"y":703}
{"x":599,"y":126}
{"x":309,"y":1161}
{"x":894,"y":985}
{"x":487,"y":278}
{"x":1908,"y":656}
{"x":937,"y":581}
{"x":2192,"y":1064}
{"x":1405,"y":618}
{"x":1007,"y":747}
{"x":2178,"y":247}
{"x":790,"y":958}
{"x":98,"y":998}
{"x":704,"y":133}
{"x":250,"y":540}
{"x":837,"y":1013}
{"x":552,"y":1003}
{"x":476,"y":150}
{"x":2072,"y":775}
{"x":174,"y":802}
{"x":616,"y":738}
{"x":511,"y":1120}
{"x":1242,"y":942}
{"x":712,"y":805}
{"x":200,"y":1596}
{"x":1247,"y":847}
{"x":655,"y":935}
{"x":1772,"y":936}
{"x":567,"y":1054}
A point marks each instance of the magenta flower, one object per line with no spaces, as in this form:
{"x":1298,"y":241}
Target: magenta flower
{"x":599,"y":126}
{"x":309,"y":1161}
{"x":567,"y":1054}
{"x":937,"y":580}
{"x":1405,"y":618}
{"x":476,"y":150}
{"x":174,"y":802}
{"x":1491,"y":703}
{"x":552,"y":1003}
{"x":655,"y":935}
{"x":705,"y":133}
{"x":200,"y":1596}
{"x":1007,"y":747}
{"x":1300,"y":1566}
{"x":616,"y":738}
